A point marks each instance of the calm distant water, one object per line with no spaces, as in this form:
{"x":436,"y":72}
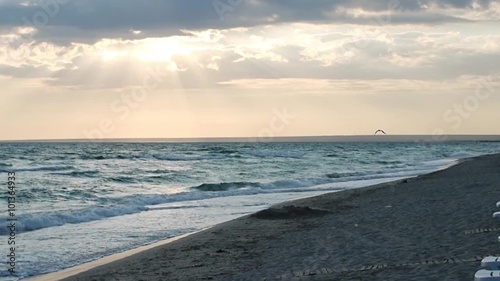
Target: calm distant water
{"x":79,"y":202}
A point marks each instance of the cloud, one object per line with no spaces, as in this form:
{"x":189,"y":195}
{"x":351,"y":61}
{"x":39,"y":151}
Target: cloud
{"x":212,"y":58}
{"x":88,"y":21}
{"x":115,"y":44}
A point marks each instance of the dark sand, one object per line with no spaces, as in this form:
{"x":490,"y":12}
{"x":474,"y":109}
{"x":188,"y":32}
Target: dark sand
{"x":433,"y":227}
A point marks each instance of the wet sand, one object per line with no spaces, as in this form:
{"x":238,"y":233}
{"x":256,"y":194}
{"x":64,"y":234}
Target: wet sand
{"x":433,"y":227}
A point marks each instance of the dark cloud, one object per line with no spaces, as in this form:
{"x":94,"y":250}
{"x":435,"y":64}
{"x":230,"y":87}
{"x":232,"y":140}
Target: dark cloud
{"x":456,"y":3}
{"x":64,"y":21}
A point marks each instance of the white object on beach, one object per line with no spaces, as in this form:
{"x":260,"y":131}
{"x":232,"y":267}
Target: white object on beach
{"x":496,"y":214}
{"x":489,"y":275}
{"x":491,"y":263}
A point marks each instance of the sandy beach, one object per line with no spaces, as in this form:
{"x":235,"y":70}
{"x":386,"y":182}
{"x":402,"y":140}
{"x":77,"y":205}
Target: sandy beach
{"x":433,"y":227}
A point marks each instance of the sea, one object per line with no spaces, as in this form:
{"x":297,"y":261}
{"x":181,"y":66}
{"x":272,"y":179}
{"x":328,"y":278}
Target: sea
{"x":78,"y":202}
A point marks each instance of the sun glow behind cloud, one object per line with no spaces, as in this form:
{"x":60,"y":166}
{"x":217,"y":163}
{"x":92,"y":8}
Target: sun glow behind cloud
{"x":161,"y":49}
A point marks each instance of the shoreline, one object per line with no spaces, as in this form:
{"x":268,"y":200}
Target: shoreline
{"x":71,"y":271}
{"x":307,"y":211}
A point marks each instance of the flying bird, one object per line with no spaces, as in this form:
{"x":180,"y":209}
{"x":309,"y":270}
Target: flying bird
{"x":380,"y":131}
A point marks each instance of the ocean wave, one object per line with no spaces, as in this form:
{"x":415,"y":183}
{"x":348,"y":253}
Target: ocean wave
{"x":129,"y":156}
{"x":78,"y":174}
{"x":186,"y":157}
{"x":122,"y":179}
{"x":274,"y":153}
{"x":341,"y":175}
{"x":274,"y":185}
{"x":107,"y":156}
{"x":93,"y":157}
{"x":218,"y":149}
{"x":389,"y":162}
{"x":117,"y":207}
{"x":224,"y":186}
{"x":460,"y":155}
{"x":379,"y":175}
{"x":225,"y":151}
{"x":5,"y":165}
{"x":35,"y":222}
{"x":161,"y":178}
{"x":160,"y":171}
{"x":389,"y":171}
{"x":335,"y":155}
{"x":292,"y":183}
{"x":39,"y":169}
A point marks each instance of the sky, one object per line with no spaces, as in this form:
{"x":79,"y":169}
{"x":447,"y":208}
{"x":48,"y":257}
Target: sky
{"x":94,"y":69}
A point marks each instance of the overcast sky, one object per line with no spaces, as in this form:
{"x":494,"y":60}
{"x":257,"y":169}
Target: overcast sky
{"x":247,"y":68}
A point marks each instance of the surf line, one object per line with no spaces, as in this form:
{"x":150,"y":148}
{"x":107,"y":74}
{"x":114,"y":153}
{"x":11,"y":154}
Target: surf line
{"x":323,"y":271}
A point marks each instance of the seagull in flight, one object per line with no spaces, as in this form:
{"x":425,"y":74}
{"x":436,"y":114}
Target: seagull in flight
{"x":380,"y":131}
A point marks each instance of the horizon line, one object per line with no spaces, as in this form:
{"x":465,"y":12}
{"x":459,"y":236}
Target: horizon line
{"x":321,"y":138}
